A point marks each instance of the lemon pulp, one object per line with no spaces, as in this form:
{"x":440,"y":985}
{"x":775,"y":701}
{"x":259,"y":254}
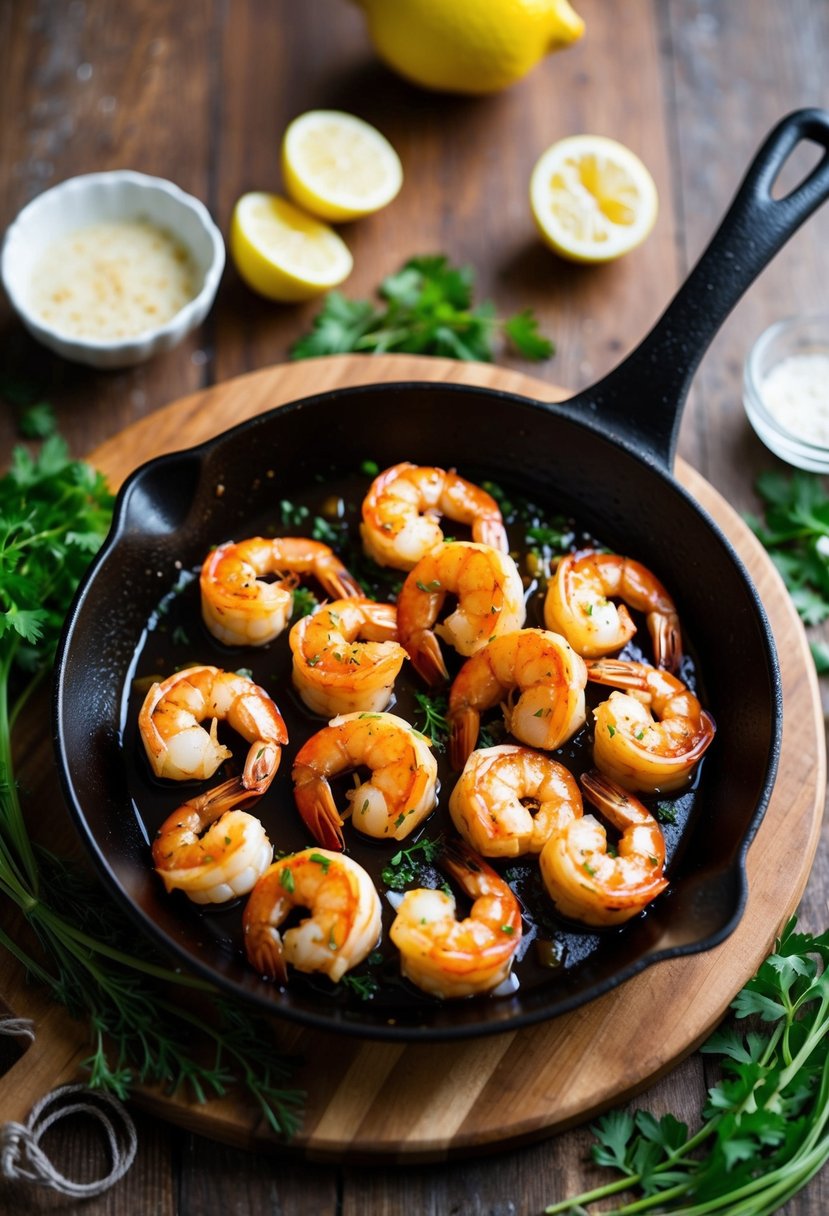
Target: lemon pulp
{"x":592,"y":198}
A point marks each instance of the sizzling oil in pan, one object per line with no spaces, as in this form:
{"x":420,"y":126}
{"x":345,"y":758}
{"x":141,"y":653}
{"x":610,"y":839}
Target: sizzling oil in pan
{"x":175,"y":637}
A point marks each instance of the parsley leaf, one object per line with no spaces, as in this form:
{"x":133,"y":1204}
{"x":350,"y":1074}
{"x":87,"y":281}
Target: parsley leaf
{"x":424,"y":308}
{"x":765,"y":1131}
{"x":795,"y":531}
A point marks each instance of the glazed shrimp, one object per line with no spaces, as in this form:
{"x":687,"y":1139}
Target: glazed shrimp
{"x":490,"y":598}
{"x":579,"y":605}
{"x":209,"y":850}
{"x":402,"y":507}
{"x":346,"y":656}
{"x":448,"y":957}
{"x":587,"y":882}
{"x":399,"y":793}
{"x":178,"y":746}
{"x":240,"y":608}
{"x":509,"y":800}
{"x":344,"y":925}
{"x":650,"y":737}
{"x":539,"y":680}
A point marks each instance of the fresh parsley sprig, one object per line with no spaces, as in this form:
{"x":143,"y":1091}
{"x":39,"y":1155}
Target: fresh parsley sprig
{"x":426,"y":309}
{"x":54,"y":514}
{"x":766,"y":1124}
{"x":795,"y":531}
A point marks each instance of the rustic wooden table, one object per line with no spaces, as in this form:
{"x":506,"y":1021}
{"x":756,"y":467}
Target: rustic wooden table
{"x":200,"y":93}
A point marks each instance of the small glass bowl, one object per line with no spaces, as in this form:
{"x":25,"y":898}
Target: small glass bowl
{"x":792,"y":337}
{"x":104,"y":197}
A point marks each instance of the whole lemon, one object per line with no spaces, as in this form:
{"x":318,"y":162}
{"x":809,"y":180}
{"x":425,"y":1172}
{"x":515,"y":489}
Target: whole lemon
{"x":468,"y":46}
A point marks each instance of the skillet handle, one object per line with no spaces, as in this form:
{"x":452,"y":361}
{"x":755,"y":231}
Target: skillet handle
{"x":642,"y":399}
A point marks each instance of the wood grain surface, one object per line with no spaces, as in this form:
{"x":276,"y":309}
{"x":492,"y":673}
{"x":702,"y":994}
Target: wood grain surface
{"x":371,"y":1101}
{"x":199,"y":93}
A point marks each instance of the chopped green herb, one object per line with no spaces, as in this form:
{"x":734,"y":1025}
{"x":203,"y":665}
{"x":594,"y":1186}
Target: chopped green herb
{"x":364,"y":986}
{"x":286,"y":879}
{"x":611,"y":730}
{"x":304,"y":603}
{"x":665,"y":812}
{"x":405,"y":865}
{"x":293,"y":514}
{"x":321,"y":860}
{"x":434,"y":585}
{"x":369,"y":468}
{"x":435,"y":723}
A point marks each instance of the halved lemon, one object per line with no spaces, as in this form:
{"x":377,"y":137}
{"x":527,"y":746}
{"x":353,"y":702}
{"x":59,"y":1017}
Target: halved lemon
{"x":283,"y":253}
{"x":337,"y":166}
{"x":592,"y":198}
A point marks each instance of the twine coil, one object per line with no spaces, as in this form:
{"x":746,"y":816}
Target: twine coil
{"x":23,"y":1159}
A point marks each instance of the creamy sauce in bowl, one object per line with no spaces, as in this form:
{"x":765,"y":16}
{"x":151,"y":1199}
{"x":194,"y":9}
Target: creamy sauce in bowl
{"x":114,"y":280}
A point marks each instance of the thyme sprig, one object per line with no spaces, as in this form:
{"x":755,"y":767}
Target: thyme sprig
{"x":54,"y":514}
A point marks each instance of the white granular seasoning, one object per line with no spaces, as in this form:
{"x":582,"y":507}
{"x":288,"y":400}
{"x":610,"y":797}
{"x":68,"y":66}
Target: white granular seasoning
{"x":113,"y":280}
{"x":796,"y":394}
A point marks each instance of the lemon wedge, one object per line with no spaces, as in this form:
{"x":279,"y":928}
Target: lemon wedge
{"x":592,"y":198}
{"x":337,"y":166}
{"x":283,"y":253}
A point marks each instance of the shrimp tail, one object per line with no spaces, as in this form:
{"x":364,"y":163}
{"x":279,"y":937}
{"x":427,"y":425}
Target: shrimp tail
{"x":666,"y":636}
{"x":261,"y":768}
{"x":337,"y":582}
{"x":265,"y":953}
{"x":316,"y":806}
{"x":212,"y":804}
{"x":460,"y":862}
{"x":464,"y":727}
{"x":602,"y":792}
{"x":424,"y":651}
{"x":616,"y":672}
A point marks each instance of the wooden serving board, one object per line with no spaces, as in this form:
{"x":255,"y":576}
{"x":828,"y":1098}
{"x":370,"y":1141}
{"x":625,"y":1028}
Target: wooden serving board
{"x":381,"y":1101}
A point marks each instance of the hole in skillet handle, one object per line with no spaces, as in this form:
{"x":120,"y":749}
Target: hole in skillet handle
{"x":640,"y":403}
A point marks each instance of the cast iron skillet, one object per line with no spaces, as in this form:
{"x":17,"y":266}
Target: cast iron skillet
{"x":606,"y":456}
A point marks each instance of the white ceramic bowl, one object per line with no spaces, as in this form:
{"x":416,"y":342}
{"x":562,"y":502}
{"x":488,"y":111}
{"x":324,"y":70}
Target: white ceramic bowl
{"x":791,"y":358}
{"x":102,"y":198}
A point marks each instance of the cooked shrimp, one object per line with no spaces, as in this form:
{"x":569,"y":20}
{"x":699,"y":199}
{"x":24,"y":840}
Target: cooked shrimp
{"x":209,"y":850}
{"x":586,"y":881}
{"x":179,"y":747}
{"x":580,"y":605}
{"x":241,"y":608}
{"x":346,"y":656}
{"x":448,"y":957}
{"x":650,"y":737}
{"x":509,"y":800}
{"x":539,"y":680}
{"x":344,"y":925}
{"x":403,"y":505}
{"x":400,"y":791}
{"x":490,"y":599}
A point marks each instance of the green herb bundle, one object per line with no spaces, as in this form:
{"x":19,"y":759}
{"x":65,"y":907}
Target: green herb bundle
{"x":766,"y":1129}
{"x":54,"y":514}
{"x":795,"y":531}
{"x":426,"y":309}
